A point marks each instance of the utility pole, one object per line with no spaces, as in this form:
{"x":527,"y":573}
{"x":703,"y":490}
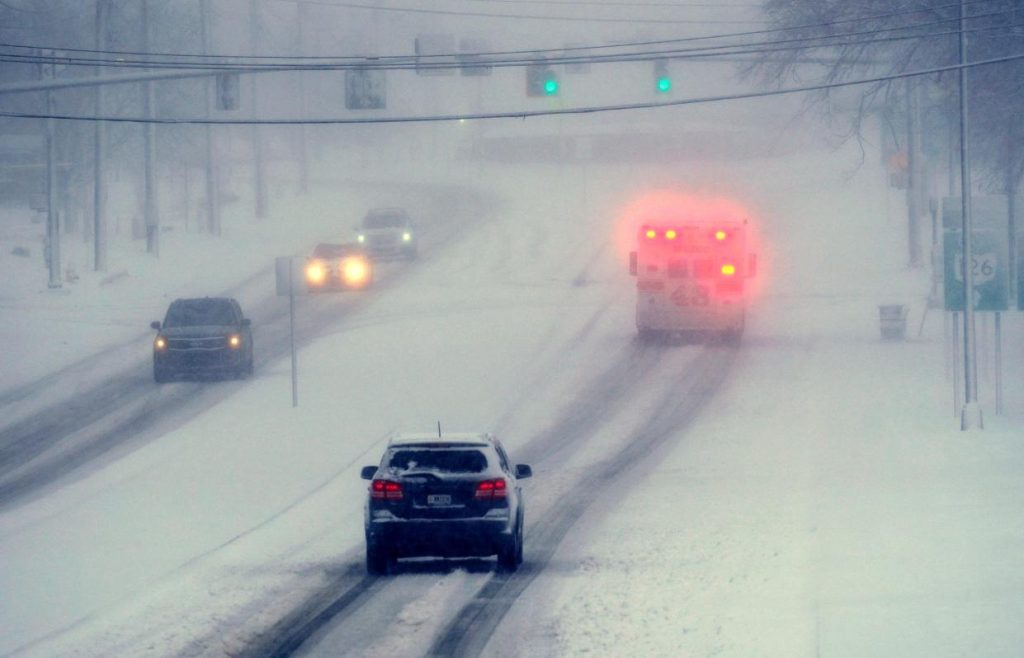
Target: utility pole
{"x":212,"y":200}
{"x":260,"y":192}
{"x":970,"y":416}
{"x":99,"y":230}
{"x":52,"y":218}
{"x":915,"y":173}
{"x":303,"y":145}
{"x":152,"y":210}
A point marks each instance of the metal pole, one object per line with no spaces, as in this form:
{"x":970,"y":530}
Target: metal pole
{"x":152,"y":212}
{"x":915,"y":181}
{"x":212,"y":205}
{"x":971,"y":417}
{"x":260,"y":193}
{"x":52,"y":218}
{"x":303,"y":137}
{"x":956,"y":365}
{"x":999,"y":362}
{"x":291,"y":314}
{"x":99,"y":222}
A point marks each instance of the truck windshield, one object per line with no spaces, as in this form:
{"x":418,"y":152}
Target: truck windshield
{"x":200,"y":313}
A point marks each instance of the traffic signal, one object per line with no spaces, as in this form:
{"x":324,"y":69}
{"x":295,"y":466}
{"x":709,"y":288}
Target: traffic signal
{"x":541,"y":80}
{"x":365,"y":89}
{"x":662,"y":80}
{"x":227,"y":91}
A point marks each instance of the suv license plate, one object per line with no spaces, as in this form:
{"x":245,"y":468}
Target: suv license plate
{"x":439,"y":499}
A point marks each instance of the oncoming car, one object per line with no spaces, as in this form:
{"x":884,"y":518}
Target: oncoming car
{"x":200,"y":335}
{"x":338,"y":267}
{"x":451,"y":496}
{"x":387,"y":233}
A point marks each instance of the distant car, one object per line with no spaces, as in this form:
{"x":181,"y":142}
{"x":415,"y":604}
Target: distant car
{"x":451,"y":496}
{"x":388,"y":233}
{"x":338,"y":267}
{"x":202,"y":335}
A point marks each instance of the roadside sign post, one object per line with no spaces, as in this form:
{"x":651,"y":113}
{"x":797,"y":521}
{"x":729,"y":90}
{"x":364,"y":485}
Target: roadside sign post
{"x":290,"y":283}
{"x":981,"y":280}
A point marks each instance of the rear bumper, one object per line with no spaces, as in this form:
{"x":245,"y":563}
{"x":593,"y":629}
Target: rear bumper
{"x":440,"y":538}
{"x":658,"y":313}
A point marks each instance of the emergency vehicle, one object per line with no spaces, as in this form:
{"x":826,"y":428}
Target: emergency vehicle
{"x":692,"y":276}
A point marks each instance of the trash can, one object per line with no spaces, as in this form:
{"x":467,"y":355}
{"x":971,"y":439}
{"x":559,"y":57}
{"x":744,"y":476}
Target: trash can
{"x":892,"y":321}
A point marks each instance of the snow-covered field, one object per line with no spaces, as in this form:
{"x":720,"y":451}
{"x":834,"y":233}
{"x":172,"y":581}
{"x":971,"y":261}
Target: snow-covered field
{"x":825,"y":504}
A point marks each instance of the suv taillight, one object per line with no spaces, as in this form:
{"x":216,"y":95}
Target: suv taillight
{"x":491,"y":489}
{"x":385,"y":490}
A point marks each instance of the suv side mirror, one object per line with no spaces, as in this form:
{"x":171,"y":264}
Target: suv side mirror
{"x":246,"y":322}
{"x":368,"y":472}
{"x":523,"y":471}
{"x":155,"y":324}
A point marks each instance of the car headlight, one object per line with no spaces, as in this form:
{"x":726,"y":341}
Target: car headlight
{"x":361,"y":238}
{"x":407,"y":236}
{"x":316,"y":273}
{"x":160,"y":344}
{"x":235,"y":341}
{"x":354,"y":271}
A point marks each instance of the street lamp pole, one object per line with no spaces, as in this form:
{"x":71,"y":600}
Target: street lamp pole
{"x":970,"y":415}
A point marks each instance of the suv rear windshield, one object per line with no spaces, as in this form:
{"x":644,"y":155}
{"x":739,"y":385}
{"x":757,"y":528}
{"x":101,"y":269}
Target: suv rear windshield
{"x":443,"y":460}
{"x":201,"y":313}
{"x":384,"y":220}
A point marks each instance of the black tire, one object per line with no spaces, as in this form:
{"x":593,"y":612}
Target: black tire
{"x":734,"y":336}
{"x":160,"y":375}
{"x":378,"y":560}
{"x":647,"y":335}
{"x":519,"y":545}
{"x":510,"y":555}
{"x":245,"y":372}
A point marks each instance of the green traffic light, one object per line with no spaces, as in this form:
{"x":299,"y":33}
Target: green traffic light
{"x":551,"y":87}
{"x":664,"y":84}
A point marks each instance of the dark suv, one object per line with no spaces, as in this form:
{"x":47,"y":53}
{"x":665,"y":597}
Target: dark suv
{"x":387,"y":233}
{"x":456,"y":496}
{"x":207,"y":334}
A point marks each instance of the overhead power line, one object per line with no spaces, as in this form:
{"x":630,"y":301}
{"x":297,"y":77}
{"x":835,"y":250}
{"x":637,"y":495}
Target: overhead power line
{"x":598,"y":3}
{"x":528,"y":17}
{"x":413,"y":62}
{"x":536,"y":51}
{"x":523,"y":114}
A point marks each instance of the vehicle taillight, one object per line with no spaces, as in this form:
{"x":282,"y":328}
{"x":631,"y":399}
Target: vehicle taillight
{"x":385,"y":490}
{"x":491,"y":489}
{"x":721,"y":235}
{"x":728,"y":269}
{"x":651,"y":233}
{"x":670,"y":234}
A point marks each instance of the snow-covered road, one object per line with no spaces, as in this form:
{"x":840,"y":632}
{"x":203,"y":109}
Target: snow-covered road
{"x":819,"y":502}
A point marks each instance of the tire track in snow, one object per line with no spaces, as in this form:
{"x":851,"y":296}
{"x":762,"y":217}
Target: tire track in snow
{"x":597,"y":402}
{"x":474,"y":624}
{"x":115,"y":413}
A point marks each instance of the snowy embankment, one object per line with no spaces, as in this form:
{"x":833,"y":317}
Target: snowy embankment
{"x":826,"y":504}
